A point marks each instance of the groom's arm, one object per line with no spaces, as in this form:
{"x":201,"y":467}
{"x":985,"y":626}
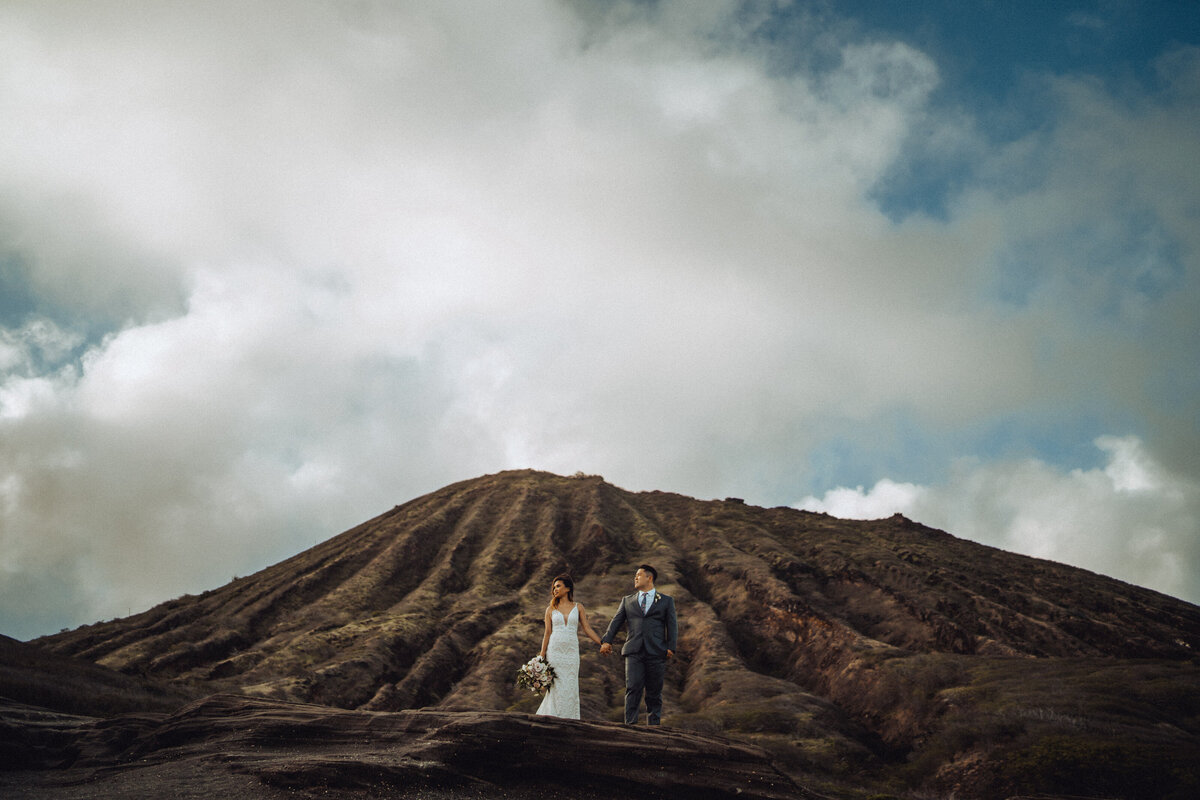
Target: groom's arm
{"x":672,"y":628}
{"x":615,"y":625}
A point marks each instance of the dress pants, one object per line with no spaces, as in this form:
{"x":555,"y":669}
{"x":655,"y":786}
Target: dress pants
{"x":644,"y":672}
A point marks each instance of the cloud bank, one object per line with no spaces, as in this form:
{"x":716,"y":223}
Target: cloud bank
{"x":270,"y":269}
{"x":1131,"y":519}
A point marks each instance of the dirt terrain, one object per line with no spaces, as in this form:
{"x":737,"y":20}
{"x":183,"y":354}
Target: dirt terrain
{"x":862,"y":657}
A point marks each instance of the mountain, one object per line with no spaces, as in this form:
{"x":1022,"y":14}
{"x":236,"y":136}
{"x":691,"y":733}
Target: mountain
{"x":74,"y":686}
{"x":878,"y":657}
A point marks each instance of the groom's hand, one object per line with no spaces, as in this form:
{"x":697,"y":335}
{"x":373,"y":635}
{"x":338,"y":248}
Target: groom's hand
{"x":605,"y":649}
{"x":670,"y":654}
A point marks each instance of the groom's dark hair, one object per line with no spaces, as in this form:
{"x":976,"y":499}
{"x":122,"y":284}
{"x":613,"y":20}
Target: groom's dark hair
{"x":653,"y":572}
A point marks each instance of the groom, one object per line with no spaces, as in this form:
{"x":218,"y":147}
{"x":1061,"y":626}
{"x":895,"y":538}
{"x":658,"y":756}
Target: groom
{"x":652,"y":638}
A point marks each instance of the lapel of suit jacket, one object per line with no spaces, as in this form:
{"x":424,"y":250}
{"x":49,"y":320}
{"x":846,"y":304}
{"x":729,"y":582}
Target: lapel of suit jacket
{"x":653,"y":603}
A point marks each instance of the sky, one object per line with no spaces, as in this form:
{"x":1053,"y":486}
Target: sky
{"x":268,"y":269}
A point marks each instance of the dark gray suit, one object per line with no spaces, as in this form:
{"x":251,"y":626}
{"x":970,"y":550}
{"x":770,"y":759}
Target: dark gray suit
{"x":650,"y":636}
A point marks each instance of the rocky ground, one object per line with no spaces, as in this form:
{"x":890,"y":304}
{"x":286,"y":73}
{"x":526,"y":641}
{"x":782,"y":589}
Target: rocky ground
{"x":236,"y":747}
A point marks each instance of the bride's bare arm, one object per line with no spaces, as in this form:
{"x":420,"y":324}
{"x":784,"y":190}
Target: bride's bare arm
{"x":546,"y":635}
{"x":587,"y":629}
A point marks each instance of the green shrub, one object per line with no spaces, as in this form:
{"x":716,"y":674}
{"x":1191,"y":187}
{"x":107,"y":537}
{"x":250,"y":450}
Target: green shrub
{"x":1101,"y":767}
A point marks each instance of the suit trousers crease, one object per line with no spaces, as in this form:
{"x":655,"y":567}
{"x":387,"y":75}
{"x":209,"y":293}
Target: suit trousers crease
{"x":644,"y":673}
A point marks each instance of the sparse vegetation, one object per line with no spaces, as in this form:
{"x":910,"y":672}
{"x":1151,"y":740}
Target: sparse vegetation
{"x":32,"y":677}
{"x":869,"y":658}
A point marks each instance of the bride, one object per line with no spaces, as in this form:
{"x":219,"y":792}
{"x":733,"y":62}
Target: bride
{"x":560,"y":646}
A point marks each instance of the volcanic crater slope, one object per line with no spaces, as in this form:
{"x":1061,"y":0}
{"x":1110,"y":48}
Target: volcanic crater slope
{"x":883,"y":656}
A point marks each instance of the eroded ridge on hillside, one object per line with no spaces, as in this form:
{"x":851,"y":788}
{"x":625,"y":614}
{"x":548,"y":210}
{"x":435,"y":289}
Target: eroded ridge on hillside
{"x":841,"y":646}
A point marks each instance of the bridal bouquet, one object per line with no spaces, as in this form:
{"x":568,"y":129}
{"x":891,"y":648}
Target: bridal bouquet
{"x":536,"y":675}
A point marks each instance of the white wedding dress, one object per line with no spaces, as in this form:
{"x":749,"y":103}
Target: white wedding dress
{"x":563,"y":654}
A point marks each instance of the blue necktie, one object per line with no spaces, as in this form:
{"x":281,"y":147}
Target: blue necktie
{"x":645,"y":597}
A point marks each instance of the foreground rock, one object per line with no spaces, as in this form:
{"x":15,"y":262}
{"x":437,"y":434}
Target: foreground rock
{"x":243,"y":747}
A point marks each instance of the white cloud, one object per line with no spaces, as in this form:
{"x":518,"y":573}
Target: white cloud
{"x":1132,"y":519}
{"x":342,"y":256}
{"x":882,"y":500}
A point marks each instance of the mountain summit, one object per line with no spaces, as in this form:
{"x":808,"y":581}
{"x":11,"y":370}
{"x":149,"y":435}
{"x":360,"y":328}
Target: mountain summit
{"x":883,"y":653}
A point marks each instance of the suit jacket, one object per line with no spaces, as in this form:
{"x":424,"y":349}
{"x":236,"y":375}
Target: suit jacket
{"x":654,"y":632}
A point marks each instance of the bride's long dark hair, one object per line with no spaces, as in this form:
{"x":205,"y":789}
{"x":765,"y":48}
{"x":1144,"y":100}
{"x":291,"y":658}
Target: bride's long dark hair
{"x":567,"y":582}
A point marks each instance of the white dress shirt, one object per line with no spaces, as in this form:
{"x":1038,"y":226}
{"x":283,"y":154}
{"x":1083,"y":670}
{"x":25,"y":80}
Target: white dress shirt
{"x":645,"y":600}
